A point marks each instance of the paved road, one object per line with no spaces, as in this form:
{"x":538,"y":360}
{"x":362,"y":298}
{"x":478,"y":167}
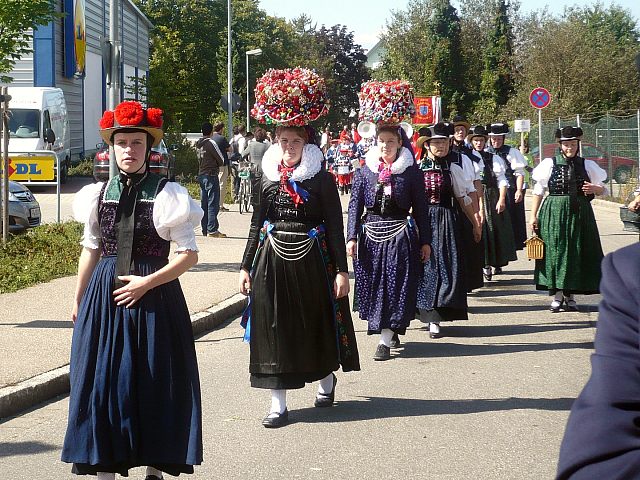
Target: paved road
{"x":488,"y":401}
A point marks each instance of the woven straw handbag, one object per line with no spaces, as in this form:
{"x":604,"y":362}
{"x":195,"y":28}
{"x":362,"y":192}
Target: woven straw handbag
{"x":535,"y":247}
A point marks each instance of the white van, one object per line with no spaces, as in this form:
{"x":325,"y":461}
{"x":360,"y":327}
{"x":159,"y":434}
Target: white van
{"x":38,"y":135}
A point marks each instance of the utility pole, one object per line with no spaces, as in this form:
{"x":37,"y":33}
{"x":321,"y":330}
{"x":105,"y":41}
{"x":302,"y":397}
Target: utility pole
{"x":229,"y":74}
{"x":113,"y":73}
{"x":4,"y":129}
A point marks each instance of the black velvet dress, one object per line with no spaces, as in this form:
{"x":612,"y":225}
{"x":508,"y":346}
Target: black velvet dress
{"x":299,"y":332}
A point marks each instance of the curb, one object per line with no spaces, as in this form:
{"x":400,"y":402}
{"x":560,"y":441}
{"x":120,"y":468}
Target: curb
{"x":35,"y":390}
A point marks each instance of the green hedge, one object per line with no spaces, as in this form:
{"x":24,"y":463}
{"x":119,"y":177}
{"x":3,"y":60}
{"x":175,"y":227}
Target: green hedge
{"x":39,"y":255}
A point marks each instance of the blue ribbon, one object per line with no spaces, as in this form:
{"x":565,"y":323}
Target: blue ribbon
{"x":299,"y":190}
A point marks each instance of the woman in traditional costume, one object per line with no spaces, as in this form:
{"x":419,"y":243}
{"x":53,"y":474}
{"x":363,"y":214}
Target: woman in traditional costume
{"x":566,"y":223}
{"x":497,"y":233}
{"x":442,"y":292}
{"x":388,"y":234}
{"x":135,"y":392}
{"x":463,"y":157}
{"x":294,"y":269}
{"x":515,"y":164}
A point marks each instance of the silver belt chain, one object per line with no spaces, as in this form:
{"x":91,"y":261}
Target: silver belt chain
{"x":384,"y":230}
{"x":291,"y":251}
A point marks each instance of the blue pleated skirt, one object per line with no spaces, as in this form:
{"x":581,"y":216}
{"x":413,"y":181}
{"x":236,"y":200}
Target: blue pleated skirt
{"x":442,"y":290}
{"x":135,"y":391}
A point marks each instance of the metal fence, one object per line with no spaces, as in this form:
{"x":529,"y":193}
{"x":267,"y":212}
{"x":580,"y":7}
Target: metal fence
{"x":611,"y":140}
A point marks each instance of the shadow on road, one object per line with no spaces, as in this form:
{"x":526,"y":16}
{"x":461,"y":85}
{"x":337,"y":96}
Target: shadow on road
{"x":216,"y":267}
{"x":506,"y":330}
{"x":372,"y":408}
{"x":431,"y":349}
{"x":16,"y":449}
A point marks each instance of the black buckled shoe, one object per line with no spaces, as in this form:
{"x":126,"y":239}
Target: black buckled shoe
{"x":497,"y":270}
{"x":153,"y":477}
{"x":572,"y":306}
{"x":395,"y":341}
{"x":382,"y":353}
{"x":276,"y":420}
{"x":326,"y":399}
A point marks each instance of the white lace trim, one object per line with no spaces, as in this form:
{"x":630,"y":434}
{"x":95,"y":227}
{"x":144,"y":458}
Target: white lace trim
{"x":309,"y":166}
{"x":404,"y":161}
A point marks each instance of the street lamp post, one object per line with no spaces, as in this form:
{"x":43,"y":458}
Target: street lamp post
{"x":256,"y":51}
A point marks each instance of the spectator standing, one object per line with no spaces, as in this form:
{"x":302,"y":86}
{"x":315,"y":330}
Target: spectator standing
{"x":225,"y":148}
{"x":254,"y":152}
{"x":210,"y":160}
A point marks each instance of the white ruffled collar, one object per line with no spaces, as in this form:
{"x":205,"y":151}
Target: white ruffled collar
{"x":308,"y":167}
{"x":404,"y":160}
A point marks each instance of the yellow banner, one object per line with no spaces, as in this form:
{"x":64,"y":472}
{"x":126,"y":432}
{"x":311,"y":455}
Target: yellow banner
{"x":32,"y":168}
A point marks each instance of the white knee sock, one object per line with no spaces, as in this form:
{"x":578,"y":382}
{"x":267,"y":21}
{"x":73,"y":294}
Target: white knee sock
{"x":385,"y":337}
{"x":154,"y":471}
{"x":558,"y":296}
{"x":326,"y":385}
{"x":106,"y":476}
{"x":434,"y":327}
{"x":278,"y":401}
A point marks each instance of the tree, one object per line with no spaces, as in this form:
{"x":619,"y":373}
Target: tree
{"x":587,"y":67}
{"x":497,"y":81}
{"x":342,"y":63}
{"x":18,"y":18}
{"x":423,"y":47}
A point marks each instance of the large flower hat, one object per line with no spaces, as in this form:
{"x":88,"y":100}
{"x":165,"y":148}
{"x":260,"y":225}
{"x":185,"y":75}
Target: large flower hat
{"x":291,"y":97}
{"x":130,"y":114}
{"x":386,"y":102}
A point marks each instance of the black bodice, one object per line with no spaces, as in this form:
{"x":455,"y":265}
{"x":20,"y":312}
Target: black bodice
{"x":146,"y":241}
{"x":560,"y":180}
{"x":438,"y":183}
{"x":489,"y":179}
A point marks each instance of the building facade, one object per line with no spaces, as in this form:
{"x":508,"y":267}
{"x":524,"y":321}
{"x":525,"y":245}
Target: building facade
{"x":67,"y":54}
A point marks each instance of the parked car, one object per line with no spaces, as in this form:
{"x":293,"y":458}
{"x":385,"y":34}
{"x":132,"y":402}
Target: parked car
{"x":161,"y":161}
{"x":24,"y":209}
{"x":622,"y":166}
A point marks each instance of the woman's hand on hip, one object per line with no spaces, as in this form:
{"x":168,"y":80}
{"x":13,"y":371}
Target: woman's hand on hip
{"x":133,"y":291}
{"x":341,"y":285}
{"x":244,"y":282}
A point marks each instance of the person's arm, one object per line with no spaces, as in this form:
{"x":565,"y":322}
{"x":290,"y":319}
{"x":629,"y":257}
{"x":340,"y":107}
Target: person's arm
{"x":502,"y":200}
{"x":634,"y":204}
{"x":212,"y":149}
{"x":356,"y":208}
{"x":86,"y":265}
{"x":535,"y":206}
{"x":419,"y":210}
{"x":332,"y":214}
{"x":137,"y":286}
{"x":257,"y":220}
{"x":601,"y":437}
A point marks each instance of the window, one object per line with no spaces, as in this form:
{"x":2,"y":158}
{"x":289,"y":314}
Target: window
{"x":24,"y":123}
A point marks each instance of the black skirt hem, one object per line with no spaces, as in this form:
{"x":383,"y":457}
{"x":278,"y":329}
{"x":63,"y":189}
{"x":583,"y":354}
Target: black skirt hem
{"x":286,"y":381}
{"x":122,"y":469}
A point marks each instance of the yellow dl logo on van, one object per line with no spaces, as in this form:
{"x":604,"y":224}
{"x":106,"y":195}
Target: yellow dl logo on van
{"x":32,"y":168}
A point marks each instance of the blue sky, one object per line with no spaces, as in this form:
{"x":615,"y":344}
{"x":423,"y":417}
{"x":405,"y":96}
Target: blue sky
{"x":367,"y":24}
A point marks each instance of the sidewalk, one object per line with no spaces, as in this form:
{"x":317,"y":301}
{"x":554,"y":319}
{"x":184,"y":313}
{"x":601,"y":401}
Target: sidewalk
{"x":35,"y":330}
{"x":35,"y":325}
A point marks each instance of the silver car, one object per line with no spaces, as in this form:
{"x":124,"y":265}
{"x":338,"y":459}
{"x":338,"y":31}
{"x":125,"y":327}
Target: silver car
{"x":24,"y":209}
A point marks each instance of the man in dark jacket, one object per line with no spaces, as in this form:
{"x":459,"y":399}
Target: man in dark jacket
{"x":226,"y":149}
{"x":602,"y":439}
{"x":210,"y":159}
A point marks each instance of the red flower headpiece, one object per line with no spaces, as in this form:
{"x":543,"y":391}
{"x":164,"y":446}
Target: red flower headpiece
{"x":386,"y":102}
{"x":131,"y":114}
{"x":291,"y":97}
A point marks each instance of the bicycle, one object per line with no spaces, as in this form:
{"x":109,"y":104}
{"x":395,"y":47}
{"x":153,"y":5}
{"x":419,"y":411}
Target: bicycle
{"x":245,"y":190}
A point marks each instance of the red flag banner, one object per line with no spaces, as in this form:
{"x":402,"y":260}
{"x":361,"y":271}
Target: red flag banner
{"x":427,"y":110}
